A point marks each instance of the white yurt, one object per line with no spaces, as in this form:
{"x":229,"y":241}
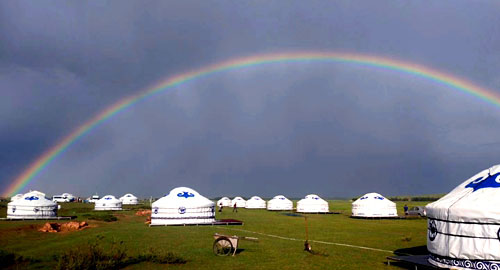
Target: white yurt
{"x":32,"y":206}
{"x":225,"y":201}
{"x":108,"y":202}
{"x":183,"y":206}
{"x":312,"y":203}
{"x":16,"y":197}
{"x":68,"y":196}
{"x":373,"y":205}
{"x":256,"y":202}
{"x":279,"y":203}
{"x":464,"y":226}
{"x":129,"y":199}
{"x":240,"y":202}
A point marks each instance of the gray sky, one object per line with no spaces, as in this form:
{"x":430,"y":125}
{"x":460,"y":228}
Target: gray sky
{"x":290,"y":128}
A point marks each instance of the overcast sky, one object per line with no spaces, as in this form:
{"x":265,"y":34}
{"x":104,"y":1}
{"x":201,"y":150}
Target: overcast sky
{"x":334,"y":129}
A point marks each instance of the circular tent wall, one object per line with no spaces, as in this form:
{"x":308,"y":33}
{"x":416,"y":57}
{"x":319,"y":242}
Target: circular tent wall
{"x":129,"y":199}
{"x":32,"y":206}
{"x":108,"y":202}
{"x":256,"y":202}
{"x":373,"y":205}
{"x":240,"y":202}
{"x":279,"y":203}
{"x":312,"y":204}
{"x":464,"y":226}
{"x":225,"y":201}
{"x":183,"y":206}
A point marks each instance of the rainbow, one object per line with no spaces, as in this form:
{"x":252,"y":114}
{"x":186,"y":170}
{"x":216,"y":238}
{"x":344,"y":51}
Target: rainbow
{"x":47,"y":157}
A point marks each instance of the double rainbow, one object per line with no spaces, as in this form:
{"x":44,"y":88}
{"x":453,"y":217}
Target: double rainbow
{"x":372,"y":61}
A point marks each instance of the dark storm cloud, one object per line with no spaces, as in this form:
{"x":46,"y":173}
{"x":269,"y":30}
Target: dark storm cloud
{"x":283,"y":128}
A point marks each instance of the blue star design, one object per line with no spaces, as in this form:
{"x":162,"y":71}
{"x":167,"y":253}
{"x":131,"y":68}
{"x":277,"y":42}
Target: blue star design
{"x":32,"y":198}
{"x":185,"y":194}
{"x":492,"y":181}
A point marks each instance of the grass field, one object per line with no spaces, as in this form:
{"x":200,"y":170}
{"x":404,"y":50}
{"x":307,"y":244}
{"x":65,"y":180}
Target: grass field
{"x":194,"y":243}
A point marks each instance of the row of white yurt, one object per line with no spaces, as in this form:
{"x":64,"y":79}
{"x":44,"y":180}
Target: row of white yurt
{"x":373,"y":205}
{"x":31,"y":205}
{"x":182,"y":206}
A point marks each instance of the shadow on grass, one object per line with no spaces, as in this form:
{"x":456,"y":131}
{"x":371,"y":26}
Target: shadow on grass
{"x":419,"y":250}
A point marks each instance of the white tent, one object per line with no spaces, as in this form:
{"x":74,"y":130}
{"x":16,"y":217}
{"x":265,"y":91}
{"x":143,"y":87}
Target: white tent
{"x":373,"y":205}
{"x":225,"y":201}
{"x":31,"y":206}
{"x":183,"y":206}
{"x":108,"y":202}
{"x":129,"y":199}
{"x":240,"y":202}
{"x":255,"y":202}
{"x":93,"y":198}
{"x":70,"y":197}
{"x":464,"y":226}
{"x":312,"y":203}
{"x":16,"y":197}
{"x":279,"y":202}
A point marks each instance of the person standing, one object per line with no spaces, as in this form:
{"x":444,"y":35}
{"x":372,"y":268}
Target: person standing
{"x":235,"y":209}
{"x":406,"y":209}
{"x":220,"y":207}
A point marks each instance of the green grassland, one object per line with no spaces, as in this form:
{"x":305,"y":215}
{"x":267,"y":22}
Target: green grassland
{"x":194,"y":243}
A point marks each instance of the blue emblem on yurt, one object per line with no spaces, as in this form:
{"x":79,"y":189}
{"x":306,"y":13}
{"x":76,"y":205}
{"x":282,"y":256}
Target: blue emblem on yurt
{"x":155,"y":210}
{"x":185,"y":194}
{"x":364,"y":198}
{"x":31,"y":198}
{"x":108,"y":198}
{"x":492,"y":181}
{"x":378,"y":198}
{"x":36,"y":209}
{"x":13,"y":209}
{"x":182,"y":210}
{"x":432,"y":230}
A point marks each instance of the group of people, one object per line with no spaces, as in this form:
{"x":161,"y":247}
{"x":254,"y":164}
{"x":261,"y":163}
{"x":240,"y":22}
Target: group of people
{"x":235,"y":209}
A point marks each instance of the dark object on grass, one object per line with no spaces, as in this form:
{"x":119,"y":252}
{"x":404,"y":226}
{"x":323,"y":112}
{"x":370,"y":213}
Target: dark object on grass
{"x":307,"y":246}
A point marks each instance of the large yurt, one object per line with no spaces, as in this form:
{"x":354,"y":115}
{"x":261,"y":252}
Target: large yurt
{"x":129,"y":199}
{"x":240,"y":202}
{"x":279,"y":203}
{"x":372,"y":205}
{"x":32,"y":206}
{"x":255,"y":202}
{"x":464,"y":226}
{"x":16,"y":197}
{"x":108,"y":202}
{"x":312,"y":203}
{"x":225,"y":201}
{"x":183,"y":206}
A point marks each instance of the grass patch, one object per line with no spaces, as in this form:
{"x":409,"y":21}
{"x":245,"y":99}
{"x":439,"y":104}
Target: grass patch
{"x":101,"y":217}
{"x":94,"y":256}
{"x":10,"y":259}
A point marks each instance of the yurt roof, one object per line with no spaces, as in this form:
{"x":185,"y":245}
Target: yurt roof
{"x":33,"y":199}
{"x":372,"y":199}
{"x":312,"y":199}
{"x":475,"y":200}
{"x":16,"y":197}
{"x":183,"y":196}
{"x":108,"y":198}
{"x":238,"y":199}
{"x":129,"y":195}
{"x":256,"y":198}
{"x":279,"y":197}
{"x":224,"y":199}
